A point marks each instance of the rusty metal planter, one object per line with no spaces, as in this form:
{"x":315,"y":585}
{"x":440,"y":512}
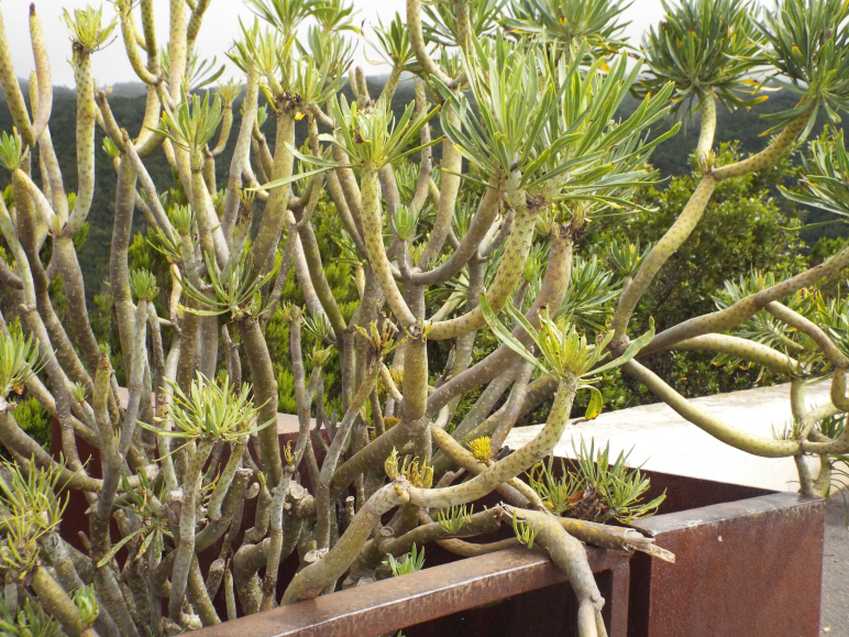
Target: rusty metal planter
{"x":749,"y":562}
{"x":514,"y":592}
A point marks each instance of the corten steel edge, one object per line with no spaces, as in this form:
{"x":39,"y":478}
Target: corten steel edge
{"x":749,"y":563}
{"x":513,"y":592}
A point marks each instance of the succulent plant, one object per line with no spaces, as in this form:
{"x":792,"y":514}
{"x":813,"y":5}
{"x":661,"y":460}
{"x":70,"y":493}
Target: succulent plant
{"x":473,"y":298}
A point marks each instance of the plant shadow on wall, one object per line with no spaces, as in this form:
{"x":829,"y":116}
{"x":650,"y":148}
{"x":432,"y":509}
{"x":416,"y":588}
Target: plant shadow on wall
{"x":411,"y":283}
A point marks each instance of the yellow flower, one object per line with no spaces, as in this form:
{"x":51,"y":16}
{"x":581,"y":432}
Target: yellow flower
{"x":481,"y":448}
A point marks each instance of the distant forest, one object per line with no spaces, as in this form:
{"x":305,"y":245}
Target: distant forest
{"x":127,"y":101}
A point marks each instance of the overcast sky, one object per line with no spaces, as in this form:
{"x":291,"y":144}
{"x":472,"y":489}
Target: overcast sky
{"x":220,"y":28}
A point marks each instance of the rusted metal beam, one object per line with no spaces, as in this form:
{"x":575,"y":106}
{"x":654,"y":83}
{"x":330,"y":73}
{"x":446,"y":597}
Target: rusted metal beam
{"x":389,"y":605}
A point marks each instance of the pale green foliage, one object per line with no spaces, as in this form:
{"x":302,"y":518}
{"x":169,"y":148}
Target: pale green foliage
{"x":825,"y":183}
{"x":597,"y":22}
{"x":85,"y":599}
{"x":11,"y":147}
{"x":213,"y":411}
{"x":201,"y":72}
{"x":394,"y":42}
{"x":334,"y":15}
{"x":506,"y":131}
{"x":232,"y":290}
{"x":625,"y":257}
{"x":594,"y":488}
{"x":382,"y":339}
{"x":19,"y":358}
{"x":194,"y":121}
{"x":228,"y":92}
{"x":592,"y":291}
{"x":704,"y":47}
{"x":416,"y":471}
{"x":143,"y":285}
{"x":257,"y":49}
{"x":619,"y":487}
{"x":524,"y":532}
{"x":29,"y":620}
{"x":142,"y":503}
{"x":763,"y":327}
{"x":408,"y":563}
{"x":30,"y":510}
{"x":302,"y":73}
{"x":182,"y":218}
{"x":557,"y":490}
{"x":832,"y":314}
{"x":327,"y":57}
{"x":452,"y":520}
{"x":564,"y":144}
{"x":34,"y":419}
{"x":405,"y":223}
{"x":371,"y":136}
{"x":564,"y":351}
{"x":87,"y":27}
{"x":284,"y":15}
{"x":441,"y":28}
{"x":110,"y":148}
{"x":829,"y":313}
{"x":809,"y":52}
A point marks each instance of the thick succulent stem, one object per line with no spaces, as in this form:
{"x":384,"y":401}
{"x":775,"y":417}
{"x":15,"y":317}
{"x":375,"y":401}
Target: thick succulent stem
{"x":316,"y":577}
{"x":449,"y":186}
{"x":274,"y":218}
{"x":42,"y":75}
{"x":414,"y":25}
{"x":742,"y":310}
{"x":745,"y":349}
{"x":766,"y":158}
{"x":507,"y":277}
{"x":56,"y":601}
{"x":12,"y":90}
{"x":265,"y":390}
{"x":184,"y":554}
{"x":520,"y":460}
{"x":723,"y":431}
{"x":119,"y":268}
{"x":660,"y":253}
{"x":86,"y":120}
{"x":373,"y":239}
{"x":707,"y":129}
{"x":570,"y":556}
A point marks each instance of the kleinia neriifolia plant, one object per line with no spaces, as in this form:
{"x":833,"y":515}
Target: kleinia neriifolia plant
{"x":462,"y":196}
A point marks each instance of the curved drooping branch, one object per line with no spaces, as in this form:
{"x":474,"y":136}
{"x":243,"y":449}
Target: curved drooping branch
{"x":718,"y":429}
{"x":510,"y":268}
{"x":744,"y":349}
{"x":570,"y":556}
{"x":740,"y":311}
{"x":814,"y":331}
{"x":692,"y":213}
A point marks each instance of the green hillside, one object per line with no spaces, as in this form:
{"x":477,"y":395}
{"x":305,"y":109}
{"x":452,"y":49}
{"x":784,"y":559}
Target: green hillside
{"x":127,"y":102}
